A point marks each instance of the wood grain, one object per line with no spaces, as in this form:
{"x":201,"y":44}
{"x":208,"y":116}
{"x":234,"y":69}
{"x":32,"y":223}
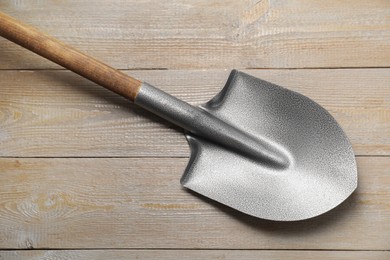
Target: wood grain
{"x":210,"y":33}
{"x":84,"y":196}
{"x":138,"y":203}
{"x":57,"y":113}
{"x":192,"y":254}
{"x":54,"y":50}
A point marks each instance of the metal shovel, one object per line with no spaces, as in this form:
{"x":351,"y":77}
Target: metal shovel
{"x":256,"y":147}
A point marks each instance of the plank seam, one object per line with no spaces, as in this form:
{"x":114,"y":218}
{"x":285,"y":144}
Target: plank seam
{"x":133,"y":157}
{"x":195,"y":69}
{"x":190,"y":249}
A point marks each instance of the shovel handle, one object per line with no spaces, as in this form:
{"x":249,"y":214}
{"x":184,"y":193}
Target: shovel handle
{"x":68,"y":57}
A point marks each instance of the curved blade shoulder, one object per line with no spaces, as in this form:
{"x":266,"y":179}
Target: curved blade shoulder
{"x":321,"y":171}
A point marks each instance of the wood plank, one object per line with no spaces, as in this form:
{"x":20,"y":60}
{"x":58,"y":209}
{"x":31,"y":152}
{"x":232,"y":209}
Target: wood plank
{"x":193,"y":254}
{"x":138,"y":203}
{"x":56,"y":113}
{"x":210,"y":33}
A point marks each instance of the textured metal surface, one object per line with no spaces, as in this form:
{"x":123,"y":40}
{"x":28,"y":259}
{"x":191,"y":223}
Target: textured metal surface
{"x":202,"y":123}
{"x":262,"y":149}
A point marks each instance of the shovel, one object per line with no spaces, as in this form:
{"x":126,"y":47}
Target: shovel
{"x":256,"y":147}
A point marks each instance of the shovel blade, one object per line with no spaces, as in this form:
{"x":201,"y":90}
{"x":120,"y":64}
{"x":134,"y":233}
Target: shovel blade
{"x":321,"y":172}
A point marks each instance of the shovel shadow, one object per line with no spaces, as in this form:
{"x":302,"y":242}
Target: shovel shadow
{"x":292,"y":228}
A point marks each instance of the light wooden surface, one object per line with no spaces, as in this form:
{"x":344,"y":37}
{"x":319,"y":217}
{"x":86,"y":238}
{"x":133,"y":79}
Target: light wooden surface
{"x":42,"y":109}
{"x":84,"y":171}
{"x":138,"y":203}
{"x":193,"y":254}
{"x":68,"y":57}
{"x":208,"y":34}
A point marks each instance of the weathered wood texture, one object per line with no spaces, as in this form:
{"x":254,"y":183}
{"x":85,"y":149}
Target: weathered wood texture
{"x":192,"y":254}
{"x":57,"y":113}
{"x":138,"y":203}
{"x":211,"y":33}
{"x":52,"y":49}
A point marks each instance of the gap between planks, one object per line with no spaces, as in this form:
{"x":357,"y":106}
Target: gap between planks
{"x":227,"y":68}
{"x":195,"y":254}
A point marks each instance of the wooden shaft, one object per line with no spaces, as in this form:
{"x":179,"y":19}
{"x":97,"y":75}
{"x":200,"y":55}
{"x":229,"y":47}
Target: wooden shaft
{"x":68,"y":57}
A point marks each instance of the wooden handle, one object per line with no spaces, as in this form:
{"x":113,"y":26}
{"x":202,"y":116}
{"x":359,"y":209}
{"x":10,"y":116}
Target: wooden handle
{"x":68,"y":57}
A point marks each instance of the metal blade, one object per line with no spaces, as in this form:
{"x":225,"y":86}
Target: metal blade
{"x":321,"y":172}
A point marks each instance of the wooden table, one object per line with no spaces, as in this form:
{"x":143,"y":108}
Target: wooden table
{"x":85,"y":174}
